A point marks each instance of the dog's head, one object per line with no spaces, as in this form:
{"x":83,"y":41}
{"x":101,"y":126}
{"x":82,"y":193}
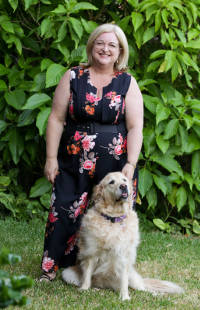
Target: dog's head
{"x":114,"y":194}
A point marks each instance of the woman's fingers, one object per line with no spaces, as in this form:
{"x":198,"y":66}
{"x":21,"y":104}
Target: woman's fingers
{"x":128,"y":171}
{"x":51,"y":170}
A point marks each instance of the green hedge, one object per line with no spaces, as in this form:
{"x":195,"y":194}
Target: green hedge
{"x":11,"y":286}
{"x":40,"y":39}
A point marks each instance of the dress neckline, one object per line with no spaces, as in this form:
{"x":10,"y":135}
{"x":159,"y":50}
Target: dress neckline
{"x":104,"y":87}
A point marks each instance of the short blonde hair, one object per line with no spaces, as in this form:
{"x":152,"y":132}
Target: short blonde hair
{"x":122,"y":62}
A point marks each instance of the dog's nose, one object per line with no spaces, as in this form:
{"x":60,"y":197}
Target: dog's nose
{"x":123,"y":187}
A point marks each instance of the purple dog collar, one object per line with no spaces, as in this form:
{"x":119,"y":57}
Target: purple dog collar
{"x":116,"y":219}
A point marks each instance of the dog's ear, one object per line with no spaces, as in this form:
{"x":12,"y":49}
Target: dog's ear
{"x":97,"y":192}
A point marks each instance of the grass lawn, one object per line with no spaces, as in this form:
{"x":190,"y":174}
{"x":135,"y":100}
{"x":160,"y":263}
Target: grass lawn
{"x":168,"y":257}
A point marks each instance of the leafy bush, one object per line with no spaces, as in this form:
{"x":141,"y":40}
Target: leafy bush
{"x":39,"y":40}
{"x":12,"y":286}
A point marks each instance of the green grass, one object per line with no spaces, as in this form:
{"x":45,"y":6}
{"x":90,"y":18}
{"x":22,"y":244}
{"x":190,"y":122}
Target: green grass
{"x":168,"y":257}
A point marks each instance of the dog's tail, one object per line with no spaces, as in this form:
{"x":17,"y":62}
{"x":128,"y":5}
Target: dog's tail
{"x":153,"y":286}
{"x":159,"y":286}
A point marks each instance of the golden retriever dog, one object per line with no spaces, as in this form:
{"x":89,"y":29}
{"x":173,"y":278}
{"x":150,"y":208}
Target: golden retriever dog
{"x":108,"y":241}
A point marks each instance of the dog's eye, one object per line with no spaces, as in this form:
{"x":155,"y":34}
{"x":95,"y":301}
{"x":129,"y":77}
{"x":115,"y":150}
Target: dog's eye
{"x":124,"y":180}
{"x":112,"y":182}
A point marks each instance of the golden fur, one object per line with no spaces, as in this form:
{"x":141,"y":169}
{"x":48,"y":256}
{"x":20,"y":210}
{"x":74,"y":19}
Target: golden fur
{"x":107,"y":251}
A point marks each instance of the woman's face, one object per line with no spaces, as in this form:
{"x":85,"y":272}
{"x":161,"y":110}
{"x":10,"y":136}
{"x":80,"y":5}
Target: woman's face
{"x":106,"y":49}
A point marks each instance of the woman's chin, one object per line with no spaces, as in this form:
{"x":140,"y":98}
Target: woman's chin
{"x":105,"y":62}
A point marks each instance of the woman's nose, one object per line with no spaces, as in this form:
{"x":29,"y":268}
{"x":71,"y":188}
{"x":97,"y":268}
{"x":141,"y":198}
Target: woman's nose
{"x":105,"y":47}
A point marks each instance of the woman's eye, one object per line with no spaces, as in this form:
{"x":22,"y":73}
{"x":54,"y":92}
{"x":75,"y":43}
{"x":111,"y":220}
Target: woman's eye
{"x":112,"y":182}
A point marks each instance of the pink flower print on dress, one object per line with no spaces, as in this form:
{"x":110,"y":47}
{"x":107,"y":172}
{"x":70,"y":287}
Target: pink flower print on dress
{"x":92,"y":98}
{"x":88,"y":158}
{"x":47,"y":263}
{"x":109,"y":95}
{"x":88,"y":164}
{"x":77,"y":136}
{"x":87,"y":143}
{"x":78,"y":207}
{"x":83,"y":197}
{"x":71,"y":109}
{"x":52,"y":215}
{"x":115,"y":100}
{"x":70,"y":244}
{"x":117,"y":147}
{"x":118,"y":150}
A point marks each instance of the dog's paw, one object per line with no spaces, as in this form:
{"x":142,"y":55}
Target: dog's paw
{"x":125,"y":297}
{"x":71,"y":276}
{"x":84,"y":287}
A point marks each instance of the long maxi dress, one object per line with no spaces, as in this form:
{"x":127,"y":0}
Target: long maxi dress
{"x":93,"y":144}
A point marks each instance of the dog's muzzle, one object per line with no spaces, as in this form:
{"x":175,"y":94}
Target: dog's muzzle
{"x":124,"y":191}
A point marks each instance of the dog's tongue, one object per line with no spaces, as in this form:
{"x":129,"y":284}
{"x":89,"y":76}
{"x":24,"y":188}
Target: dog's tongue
{"x":124,"y":195}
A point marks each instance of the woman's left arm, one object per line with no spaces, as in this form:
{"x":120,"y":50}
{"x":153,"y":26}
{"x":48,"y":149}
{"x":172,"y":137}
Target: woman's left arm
{"x":134,"y":124}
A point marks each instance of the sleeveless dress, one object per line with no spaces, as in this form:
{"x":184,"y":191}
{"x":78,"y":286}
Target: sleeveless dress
{"x":93,"y":144}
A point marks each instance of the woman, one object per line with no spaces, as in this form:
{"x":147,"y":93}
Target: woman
{"x":102,"y":108}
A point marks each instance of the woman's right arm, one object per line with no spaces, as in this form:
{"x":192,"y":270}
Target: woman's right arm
{"x":55,"y":126}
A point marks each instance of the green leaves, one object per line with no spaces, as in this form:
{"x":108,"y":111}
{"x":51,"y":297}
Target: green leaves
{"x":3,"y":126}
{"x":195,"y":165}
{"x":89,"y":26}
{"x":83,"y":6}
{"x":15,"y":99}
{"x":16,"y":144}
{"x":162,"y":143}
{"x":162,"y":225}
{"x":12,"y":286}
{"x":53,"y":75}
{"x":162,"y":113}
{"x":40,"y":187}
{"x":171,"y":129}
{"x":42,"y":120}
{"x":36,"y":101}
{"x":181,"y":196}
{"x":137,"y":20}
{"x":3,"y":70}
{"x":77,"y":26}
{"x":148,"y":34}
{"x":162,"y":183}
{"x":168,"y":163}
{"x":145,"y":182}
{"x":14,"y":4}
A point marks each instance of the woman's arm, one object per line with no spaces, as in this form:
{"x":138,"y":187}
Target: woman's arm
{"x":134,"y":124}
{"x":55,"y":126}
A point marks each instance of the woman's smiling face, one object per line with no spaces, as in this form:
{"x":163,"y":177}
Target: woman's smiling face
{"x":106,"y":49}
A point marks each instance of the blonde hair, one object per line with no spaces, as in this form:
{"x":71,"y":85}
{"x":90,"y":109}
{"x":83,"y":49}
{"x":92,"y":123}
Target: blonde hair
{"x":122,"y":61}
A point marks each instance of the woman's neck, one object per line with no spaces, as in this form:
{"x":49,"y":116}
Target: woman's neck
{"x":102,"y":69}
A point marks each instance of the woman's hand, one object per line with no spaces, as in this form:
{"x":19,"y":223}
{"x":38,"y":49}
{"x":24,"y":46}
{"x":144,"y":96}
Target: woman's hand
{"x":128,"y":171}
{"x":51,"y":169}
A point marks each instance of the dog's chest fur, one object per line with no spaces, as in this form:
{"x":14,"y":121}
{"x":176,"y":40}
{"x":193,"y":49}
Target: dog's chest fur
{"x":110,"y":243}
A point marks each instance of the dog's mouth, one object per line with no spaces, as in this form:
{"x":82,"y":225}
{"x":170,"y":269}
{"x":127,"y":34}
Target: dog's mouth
{"x":123,"y":192}
{"x":124,"y":195}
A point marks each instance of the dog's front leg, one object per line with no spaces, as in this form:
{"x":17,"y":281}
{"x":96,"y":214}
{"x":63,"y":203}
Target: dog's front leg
{"x":87,"y":268}
{"x":124,"y":284}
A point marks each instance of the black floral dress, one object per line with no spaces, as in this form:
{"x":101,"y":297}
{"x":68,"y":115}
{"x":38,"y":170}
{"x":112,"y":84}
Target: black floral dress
{"x":93,"y":144}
